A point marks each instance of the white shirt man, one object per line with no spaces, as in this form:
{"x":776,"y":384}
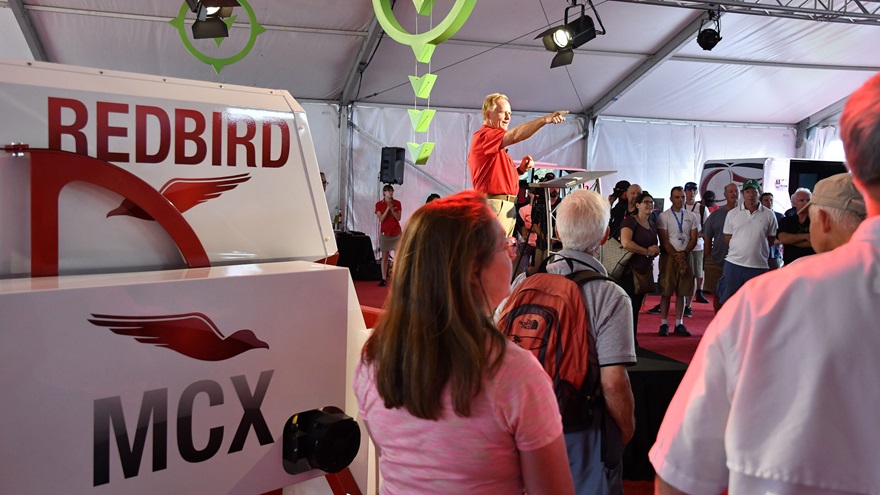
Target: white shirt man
{"x":749,"y":230}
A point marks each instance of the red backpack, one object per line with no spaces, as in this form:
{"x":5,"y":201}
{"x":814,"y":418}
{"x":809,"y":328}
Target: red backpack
{"x":546,"y":315}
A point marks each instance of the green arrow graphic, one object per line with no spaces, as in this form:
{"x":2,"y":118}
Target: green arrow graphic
{"x":424,"y":52}
{"x":421,"y":119}
{"x":420,"y":152}
{"x":422,"y":85}
{"x":423,"y":7}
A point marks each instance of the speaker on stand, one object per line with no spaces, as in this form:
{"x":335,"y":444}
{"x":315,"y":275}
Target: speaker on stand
{"x":391,"y":168}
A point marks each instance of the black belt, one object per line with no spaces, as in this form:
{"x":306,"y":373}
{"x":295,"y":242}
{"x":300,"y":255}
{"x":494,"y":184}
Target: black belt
{"x":503,"y":197}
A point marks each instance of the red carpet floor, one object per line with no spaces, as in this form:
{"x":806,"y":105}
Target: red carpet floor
{"x":674,"y":346}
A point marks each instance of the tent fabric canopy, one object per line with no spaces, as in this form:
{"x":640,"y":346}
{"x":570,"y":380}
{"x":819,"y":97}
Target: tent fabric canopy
{"x":655,"y":103}
{"x":764,"y":70}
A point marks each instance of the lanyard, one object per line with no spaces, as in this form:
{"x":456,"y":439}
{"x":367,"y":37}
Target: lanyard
{"x":679,"y":222}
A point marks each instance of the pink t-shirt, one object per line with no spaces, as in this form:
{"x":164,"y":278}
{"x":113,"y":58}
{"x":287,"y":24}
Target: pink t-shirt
{"x":515,"y":411}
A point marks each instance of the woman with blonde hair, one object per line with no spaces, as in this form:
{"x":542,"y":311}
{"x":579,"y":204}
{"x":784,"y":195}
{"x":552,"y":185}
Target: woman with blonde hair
{"x":451,"y":405}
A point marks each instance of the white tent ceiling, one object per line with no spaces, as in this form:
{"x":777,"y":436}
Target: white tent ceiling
{"x":765,"y":70}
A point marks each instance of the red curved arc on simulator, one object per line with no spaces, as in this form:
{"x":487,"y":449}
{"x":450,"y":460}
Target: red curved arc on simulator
{"x":52,"y":170}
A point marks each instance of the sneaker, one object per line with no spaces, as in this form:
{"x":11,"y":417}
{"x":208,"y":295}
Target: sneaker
{"x":681,"y":330}
{"x":664,"y":330}
{"x":688,"y":312}
{"x":700,"y":298}
{"x":383,"y":283}
{"x":654,"y":311}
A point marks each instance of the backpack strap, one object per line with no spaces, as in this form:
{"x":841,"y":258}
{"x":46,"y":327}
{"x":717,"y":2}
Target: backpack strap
{"x":582,"y":277}
{"x":542,"y":268}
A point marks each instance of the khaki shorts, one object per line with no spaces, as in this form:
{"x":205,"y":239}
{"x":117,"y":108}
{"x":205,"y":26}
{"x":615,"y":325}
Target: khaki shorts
{"x":672,"y":281}
{"x":696,"y":262}
{"x":711,"y":276}
{"x":387,"y":243}
{"x":506,"y":213}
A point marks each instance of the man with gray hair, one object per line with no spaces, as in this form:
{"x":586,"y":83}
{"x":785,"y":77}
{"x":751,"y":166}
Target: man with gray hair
{"x":836,"y":211}
{"x":794,"y":230}
{"x":738,"y":421}
{"x":595,"y":454}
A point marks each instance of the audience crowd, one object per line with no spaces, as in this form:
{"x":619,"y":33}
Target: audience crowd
{"x":776,"y":400}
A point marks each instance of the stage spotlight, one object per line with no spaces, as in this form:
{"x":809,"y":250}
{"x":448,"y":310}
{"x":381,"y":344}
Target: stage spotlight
{"x":708,"y":38}
{"x":212,"y":27}
{"x":565,"y":38}
{"x":209,"y":17}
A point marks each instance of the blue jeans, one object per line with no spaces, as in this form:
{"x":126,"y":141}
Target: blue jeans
{"x":733,"y":277}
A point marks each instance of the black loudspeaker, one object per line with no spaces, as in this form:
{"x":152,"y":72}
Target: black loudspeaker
{"x":391,"y":169}
{"x":354,"y":250}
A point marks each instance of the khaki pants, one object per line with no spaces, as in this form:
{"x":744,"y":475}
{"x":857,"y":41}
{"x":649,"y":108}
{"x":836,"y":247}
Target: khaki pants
{"x":672,"y":280}
{"x":711,"y":275}
{"x":506,"y":214}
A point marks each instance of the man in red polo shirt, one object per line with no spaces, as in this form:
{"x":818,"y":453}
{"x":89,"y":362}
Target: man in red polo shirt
{"x":492,"y":170}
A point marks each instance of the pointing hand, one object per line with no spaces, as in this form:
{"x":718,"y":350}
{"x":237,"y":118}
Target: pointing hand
{"x":556,"y":117}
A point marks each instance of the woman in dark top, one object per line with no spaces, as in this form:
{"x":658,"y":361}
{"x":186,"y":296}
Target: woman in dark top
{"x":639,"y":235}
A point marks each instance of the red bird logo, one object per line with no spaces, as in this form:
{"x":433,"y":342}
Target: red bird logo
{"x":191,"y":334}
{"x":185,"y":193}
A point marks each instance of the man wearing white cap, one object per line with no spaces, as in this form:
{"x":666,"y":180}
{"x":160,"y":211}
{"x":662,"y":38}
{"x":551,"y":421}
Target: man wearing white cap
{"x":781,"y":395}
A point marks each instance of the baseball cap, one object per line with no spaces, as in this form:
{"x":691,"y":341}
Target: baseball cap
{"x":838,"y":191}
{"x":709,"y":198}
{"x":751,"y":183}
{"x":622,"y":185}
{"x":690,"y":186}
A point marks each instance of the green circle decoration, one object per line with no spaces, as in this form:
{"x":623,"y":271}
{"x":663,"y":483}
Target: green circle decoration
{"x":440,"y":33}
{"x":218,"y":63}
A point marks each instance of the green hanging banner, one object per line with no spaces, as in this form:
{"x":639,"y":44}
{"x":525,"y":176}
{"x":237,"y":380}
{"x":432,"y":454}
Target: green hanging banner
{"x":423,"y":45}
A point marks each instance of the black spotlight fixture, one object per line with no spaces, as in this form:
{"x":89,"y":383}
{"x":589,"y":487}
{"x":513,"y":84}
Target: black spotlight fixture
{"x":209,"y":17}
{"x":708,"y":38}
{"x":570,"y":35}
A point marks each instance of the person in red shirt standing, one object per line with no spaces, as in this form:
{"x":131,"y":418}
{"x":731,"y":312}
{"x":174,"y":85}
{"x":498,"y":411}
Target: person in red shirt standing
{"x":388,"y":213}
{"x":492,"y":170}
